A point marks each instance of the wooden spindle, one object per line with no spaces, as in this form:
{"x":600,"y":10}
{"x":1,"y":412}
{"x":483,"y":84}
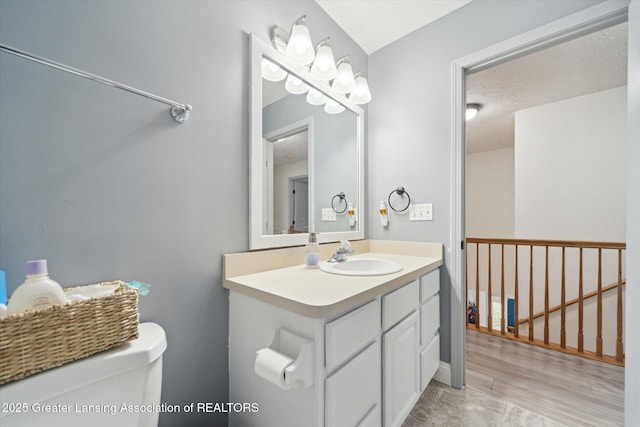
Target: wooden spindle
{"x":489,"y":296}
{"x":580,"y":309}
{"x":619,"y":347}
{"x":477,"y":285}
{"x":502,"y":293}
{"x":546,"y":295}
{"x":563,"y":308}
{"x":515,"y":301}
{"x":530,"y":292}
{"x":599,"y":321}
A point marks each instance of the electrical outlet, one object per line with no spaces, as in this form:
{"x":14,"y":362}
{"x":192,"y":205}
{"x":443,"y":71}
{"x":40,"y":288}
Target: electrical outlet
{"x":421,"y":212}
{"x":328,"y":214}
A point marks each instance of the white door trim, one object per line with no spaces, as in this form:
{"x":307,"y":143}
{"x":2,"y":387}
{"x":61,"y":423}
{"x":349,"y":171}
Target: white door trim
{"x":592,"y":19}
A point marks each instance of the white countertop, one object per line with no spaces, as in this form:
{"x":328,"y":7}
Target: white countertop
{"x":314,"y":293}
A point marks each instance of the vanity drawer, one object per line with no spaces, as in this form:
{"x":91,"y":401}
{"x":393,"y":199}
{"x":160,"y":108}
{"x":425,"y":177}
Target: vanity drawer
{"x":429,"y":319}
{"x":399,"y":303}
{"x":348,"y":334}
{"x":429,"y":361}
{"x":429,"y":285}
{"x":354,"y":390}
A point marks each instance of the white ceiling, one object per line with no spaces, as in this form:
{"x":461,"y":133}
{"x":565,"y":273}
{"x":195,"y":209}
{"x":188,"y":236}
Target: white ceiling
{"x":375,"y":24}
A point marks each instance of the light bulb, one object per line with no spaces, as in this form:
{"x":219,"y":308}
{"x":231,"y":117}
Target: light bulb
{"x":295,"y":86}
{"x":361,"y":93}
{"x":344,"y":81}
{"x":271,"y":71}
{"x":315,"y":97}
{"x":472,"y":111}
{"x":299,"y":48}
{"x":324,"y":66}
{"x":332,"y":107}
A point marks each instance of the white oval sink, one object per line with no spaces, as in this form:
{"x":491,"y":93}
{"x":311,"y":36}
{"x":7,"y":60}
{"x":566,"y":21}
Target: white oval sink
{"x":361,"y":267}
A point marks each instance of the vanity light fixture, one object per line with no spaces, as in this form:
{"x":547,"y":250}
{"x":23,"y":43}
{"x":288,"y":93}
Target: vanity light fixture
{"x":361,"y":93}
{"x":332,"y":107}
{"x":299,"y":47}
{"x":472,"y":110}
{"x":324,"y":66}
{"x":344,"y":81}
{"x":295,"y":86}
{"x":271,"y":71}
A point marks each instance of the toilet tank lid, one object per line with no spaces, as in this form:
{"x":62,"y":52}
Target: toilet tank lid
{"x":149,"y":345}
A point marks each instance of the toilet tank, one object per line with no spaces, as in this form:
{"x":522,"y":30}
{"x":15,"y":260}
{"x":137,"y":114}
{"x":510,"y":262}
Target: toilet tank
{"x":118,"y":387}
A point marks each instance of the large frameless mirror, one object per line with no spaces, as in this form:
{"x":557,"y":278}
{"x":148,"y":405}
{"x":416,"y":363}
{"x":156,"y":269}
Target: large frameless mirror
{"x":306,"y":155}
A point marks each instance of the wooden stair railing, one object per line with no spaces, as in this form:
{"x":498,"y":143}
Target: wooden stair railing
{"x":574,"y":301}
{"x":530,"y":244}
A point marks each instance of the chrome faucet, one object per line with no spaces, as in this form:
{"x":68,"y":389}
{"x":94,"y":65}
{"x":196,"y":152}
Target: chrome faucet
{"x":341,"y":253}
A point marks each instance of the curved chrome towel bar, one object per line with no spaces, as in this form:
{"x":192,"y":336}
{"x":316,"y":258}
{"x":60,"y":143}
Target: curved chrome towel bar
{"x":179,"y":112}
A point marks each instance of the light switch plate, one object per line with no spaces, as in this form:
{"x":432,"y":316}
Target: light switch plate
{"x":328,"y":214}
{"x":421,"y":212}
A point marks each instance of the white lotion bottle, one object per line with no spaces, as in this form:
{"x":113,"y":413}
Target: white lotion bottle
{"x":37,"y":291}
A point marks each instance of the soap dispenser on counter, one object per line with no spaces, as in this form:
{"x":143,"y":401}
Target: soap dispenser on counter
{"x":312,"y":251}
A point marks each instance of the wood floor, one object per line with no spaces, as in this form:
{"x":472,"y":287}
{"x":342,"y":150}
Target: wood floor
{"x":512,"y":384}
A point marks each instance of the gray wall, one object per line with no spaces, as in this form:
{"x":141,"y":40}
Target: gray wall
{"x":632,"y":338}
{"x":105,"y":185}
{"x":409,"y":117}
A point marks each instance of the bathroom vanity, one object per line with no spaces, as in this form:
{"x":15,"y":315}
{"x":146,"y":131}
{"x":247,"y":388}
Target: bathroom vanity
{"x":359,"y":349}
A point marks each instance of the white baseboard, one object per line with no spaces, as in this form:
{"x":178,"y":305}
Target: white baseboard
{"x":443,"y":374}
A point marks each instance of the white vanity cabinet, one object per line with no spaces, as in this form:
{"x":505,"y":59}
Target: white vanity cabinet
{"x":410,"y":347}
{"x":369,"y":362}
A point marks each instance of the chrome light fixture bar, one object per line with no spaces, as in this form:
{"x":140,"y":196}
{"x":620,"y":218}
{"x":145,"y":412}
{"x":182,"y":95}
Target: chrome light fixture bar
{"x":179,"y":111}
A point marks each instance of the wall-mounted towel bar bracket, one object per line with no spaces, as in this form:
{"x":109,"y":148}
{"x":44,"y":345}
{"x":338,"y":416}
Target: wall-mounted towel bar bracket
{"x":179,"y":111}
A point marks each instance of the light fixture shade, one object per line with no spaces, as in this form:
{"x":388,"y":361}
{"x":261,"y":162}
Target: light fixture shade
{"x":315,"y":97}
{"x":295,"y":86}
{"x":344,"y":81}
{"x":299,"y":48}
{"x":332,"y":107}
{"x":271,"y":71}
{"x":324,"y":66}
{"x":361,"y":93}
{"x":472,"y":111}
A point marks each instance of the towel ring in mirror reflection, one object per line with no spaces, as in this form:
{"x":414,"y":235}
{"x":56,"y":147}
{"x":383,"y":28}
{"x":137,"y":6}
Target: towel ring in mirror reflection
{"x":398,"y":201}
{"x":343,"y":200}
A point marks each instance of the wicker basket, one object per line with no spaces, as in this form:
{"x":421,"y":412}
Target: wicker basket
{"x":37,"y":340}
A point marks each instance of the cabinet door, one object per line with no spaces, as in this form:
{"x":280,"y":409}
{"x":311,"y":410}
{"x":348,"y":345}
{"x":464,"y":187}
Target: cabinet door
{"x":354,"y":390}
{"x":401,"y":366}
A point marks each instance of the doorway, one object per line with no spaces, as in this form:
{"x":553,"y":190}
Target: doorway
{"x":587,"y":21}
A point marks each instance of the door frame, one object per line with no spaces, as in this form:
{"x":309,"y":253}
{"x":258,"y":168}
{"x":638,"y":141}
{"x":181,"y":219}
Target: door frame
{"x":600,"y":16}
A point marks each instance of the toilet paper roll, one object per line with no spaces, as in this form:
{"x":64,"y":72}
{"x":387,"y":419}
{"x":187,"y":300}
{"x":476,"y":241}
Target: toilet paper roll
{"x":270,"y":365}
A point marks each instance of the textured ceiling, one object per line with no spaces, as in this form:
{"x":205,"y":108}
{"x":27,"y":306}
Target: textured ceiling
{"x":588,"y":64}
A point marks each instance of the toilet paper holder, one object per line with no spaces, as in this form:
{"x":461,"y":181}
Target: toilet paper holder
{"x":299,"y":374}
